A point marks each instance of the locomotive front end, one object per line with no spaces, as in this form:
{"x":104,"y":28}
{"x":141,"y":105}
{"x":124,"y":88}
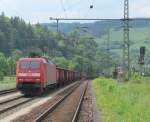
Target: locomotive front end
{"x":28,"y":76}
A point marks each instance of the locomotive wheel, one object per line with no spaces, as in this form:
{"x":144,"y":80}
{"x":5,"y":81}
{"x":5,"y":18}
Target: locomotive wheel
{"x":41,"y":90}
{"x":58,"y":85}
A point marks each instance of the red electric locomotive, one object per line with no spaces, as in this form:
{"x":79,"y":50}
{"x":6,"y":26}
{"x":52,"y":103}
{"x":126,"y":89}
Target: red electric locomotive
{"x":33,"y":75}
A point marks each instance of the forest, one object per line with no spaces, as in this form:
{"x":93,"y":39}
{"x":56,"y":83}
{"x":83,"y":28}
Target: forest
{"x":73,"y":50}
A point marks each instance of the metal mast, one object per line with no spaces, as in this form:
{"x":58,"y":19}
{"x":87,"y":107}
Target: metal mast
{"x":126,"y":43}
{"x":108,"y":47}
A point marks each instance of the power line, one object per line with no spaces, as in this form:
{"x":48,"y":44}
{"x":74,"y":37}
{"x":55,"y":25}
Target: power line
{"x":74,"y":5}
{"x":13,"y":9}
{"x":63,"y":7}
{"x":89,"y":8}
{"x":99,"y":19}
{"x":93,"y":2}
{"x":51,"y":18}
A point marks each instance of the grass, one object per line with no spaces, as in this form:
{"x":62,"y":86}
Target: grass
{"x":8,"y":79}
{"x":123,"y":102}
{"x":138,"y":36}
{"x":8,"y":83}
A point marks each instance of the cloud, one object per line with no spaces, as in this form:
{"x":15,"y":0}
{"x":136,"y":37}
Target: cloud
{"x":140,"y":8}
{"x":44,"y":16}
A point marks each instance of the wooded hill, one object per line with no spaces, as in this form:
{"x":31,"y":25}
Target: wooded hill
{"x":72,"y":50}
{"x":98,"y":28}
{"x":75,"y":49}
{"x":139,"y":36}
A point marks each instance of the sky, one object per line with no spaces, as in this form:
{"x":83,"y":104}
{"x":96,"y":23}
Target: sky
{"x":34,"y":11}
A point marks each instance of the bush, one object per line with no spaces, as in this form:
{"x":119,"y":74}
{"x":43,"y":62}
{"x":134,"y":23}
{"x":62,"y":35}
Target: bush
{"x":1,"y":75}
{"x":136,"y":78}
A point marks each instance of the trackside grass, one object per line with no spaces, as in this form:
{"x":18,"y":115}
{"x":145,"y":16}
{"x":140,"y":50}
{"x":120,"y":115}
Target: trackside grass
{"x":8,"y":83}
{"x":8,"y":79}
{"x":123,"y":102}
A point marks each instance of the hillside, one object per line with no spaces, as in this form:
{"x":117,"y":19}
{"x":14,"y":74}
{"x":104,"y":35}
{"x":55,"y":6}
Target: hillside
{"x":73,"y":48}
{"x":97,"y":28}
{"x":72,"y":51}
{"x":139,"y":35}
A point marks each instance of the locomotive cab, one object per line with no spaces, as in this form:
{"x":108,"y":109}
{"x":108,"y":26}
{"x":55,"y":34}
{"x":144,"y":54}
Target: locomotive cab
{"x":28,"y":75}
{"x":33,"y":75}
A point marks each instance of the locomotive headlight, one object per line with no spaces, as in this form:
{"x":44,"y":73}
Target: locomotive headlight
{"x":20,"y":79}
{"x":36,"y":74}
{"x":37,"y":79}
{"x":22,"y":74}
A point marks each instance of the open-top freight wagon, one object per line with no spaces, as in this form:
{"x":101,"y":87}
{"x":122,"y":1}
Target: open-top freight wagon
{"x":34,"y":75}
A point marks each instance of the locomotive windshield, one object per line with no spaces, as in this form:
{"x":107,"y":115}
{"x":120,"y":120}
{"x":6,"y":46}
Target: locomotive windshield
{"x":29,"y":64}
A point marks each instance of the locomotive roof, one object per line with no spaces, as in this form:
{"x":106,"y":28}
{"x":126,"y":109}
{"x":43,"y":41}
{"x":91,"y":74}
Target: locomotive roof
{"x":36,"y":59}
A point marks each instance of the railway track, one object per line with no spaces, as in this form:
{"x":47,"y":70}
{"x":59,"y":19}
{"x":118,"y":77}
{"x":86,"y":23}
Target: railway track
{"x":13,"y":103}
{"x":10,"y":99}
{"x":65,"y":109}
{"x":76,"y":114}
{"x":16,"y":106}
{"x":3,"y":92}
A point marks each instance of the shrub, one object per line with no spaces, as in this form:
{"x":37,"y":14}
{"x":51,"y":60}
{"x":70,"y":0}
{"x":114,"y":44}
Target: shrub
{"x":1,"y":75}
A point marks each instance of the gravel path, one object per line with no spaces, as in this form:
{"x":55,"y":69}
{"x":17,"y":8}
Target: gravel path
{"x":86,"y":112}
{"x":96,"y":112}
{"x":89,"y":112}
{"x":9,"y":96}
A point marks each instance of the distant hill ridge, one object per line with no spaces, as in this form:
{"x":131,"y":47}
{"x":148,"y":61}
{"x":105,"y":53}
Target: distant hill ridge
{"x":97,"y":28}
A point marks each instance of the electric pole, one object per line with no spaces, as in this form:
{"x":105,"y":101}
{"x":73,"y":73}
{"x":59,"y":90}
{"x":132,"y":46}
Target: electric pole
{"x":57,"y":25}
{"x":126,"y":43}
{"x":57,"y":21}
{"x":108,"y":47}
{"x":108,"y":50}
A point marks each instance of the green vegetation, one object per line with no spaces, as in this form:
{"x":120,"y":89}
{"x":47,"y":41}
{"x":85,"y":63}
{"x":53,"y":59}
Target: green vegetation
{"x":7,"y":79}
{"x":7,"y":86}
{"x":8,"y":83}
{"x":139,"y":36}
{"x":73,"y":50}
{"x":123,"y":102}
{"x":7,"y":66}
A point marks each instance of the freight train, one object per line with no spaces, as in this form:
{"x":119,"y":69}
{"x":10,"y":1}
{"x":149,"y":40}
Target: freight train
{"x":34,"y":75}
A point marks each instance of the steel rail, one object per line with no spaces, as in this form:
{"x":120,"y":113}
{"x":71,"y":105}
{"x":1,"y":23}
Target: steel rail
{"x":54,"y":106}
{"x":16,"y":105}
{"x":76,"y":114}
{"x":9,"y":100}
{"x":7,"y":91}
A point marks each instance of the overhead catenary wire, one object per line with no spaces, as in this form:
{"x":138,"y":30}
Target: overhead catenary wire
{"x":74,"y":5}
{"x":17,"y":12}
{"x":63,"y":7}
{"x":90,"y":7}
